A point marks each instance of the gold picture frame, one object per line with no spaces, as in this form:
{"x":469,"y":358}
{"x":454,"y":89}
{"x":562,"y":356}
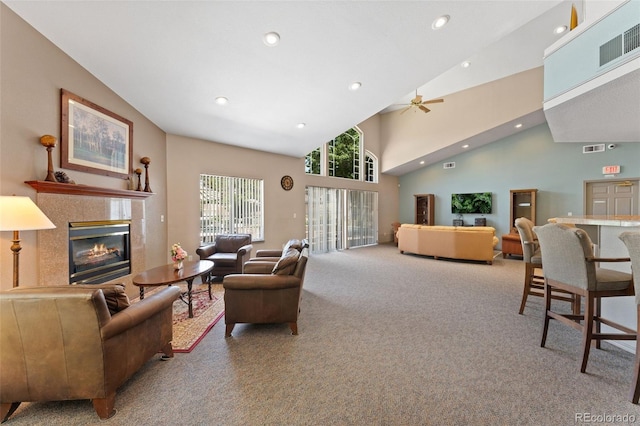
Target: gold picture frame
{"x":94,"y":139}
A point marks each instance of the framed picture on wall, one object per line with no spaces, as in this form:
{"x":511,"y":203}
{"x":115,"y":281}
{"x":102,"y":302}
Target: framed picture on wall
{"x":94,"y":139}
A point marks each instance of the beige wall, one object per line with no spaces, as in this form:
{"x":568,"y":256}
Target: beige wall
{"x":461,"y":116}
{"x":284,"y":210}
{"x":32,"y":72}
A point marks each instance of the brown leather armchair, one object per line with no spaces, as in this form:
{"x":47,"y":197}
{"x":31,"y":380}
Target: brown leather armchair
{"x":265,"y":293}
{"x":228,"y":252}
{"x":269,"y":255}
{"x":63,"y":343}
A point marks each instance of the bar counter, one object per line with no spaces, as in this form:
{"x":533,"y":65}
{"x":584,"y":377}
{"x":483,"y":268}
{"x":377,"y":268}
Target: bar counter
{"x":600,"y":220}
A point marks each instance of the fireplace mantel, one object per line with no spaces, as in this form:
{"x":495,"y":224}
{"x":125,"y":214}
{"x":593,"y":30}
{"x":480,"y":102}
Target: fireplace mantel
{"x":75,"y":189}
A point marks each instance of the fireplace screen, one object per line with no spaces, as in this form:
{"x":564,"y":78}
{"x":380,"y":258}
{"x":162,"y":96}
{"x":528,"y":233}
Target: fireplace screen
{"x":99,"y":251}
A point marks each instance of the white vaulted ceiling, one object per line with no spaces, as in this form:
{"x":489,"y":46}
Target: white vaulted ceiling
{"x":171,"y":59}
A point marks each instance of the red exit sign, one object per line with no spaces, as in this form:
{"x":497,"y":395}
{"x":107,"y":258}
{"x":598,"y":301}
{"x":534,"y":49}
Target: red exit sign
{"x":610,"y":170}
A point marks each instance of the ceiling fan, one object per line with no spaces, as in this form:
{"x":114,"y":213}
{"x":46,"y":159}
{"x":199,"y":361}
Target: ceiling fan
{"x":417,"y":102}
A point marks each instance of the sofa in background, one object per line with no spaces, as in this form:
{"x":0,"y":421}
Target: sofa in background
{"x":78,"y":342}
{"x":267,"y":292}
{"x":228,"y":252}
{"x":452,"y":242}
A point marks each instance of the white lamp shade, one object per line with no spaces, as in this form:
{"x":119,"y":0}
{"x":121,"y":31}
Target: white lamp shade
{"x":21,"y":214}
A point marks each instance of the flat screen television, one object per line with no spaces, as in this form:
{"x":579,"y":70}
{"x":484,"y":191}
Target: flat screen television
{"x":473,"y":203}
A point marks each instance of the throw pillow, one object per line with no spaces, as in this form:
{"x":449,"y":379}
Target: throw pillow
{"x":114,"y":294}
{"x":116,"y":298}
{"x":287,"y":263}
{"x":296,"y":244}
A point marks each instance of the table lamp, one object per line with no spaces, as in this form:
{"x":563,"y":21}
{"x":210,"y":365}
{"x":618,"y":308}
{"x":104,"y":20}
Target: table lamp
{"x":20,"y":214}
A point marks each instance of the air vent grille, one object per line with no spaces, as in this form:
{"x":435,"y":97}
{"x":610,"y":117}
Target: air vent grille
{"x":588,"y":149}
{"x":611,"y":50}
{"x":451,"y":165}
{"x":632,"y":38}
{"x":620,"y":45}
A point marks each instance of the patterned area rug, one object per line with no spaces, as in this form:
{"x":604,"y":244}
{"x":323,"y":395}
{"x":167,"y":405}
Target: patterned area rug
{"x":188,"y":332}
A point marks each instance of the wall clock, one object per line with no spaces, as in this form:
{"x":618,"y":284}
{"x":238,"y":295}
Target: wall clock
{"x":286,"y":182}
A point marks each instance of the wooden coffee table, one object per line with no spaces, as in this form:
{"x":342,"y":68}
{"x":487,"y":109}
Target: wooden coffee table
{"x":167,"y":275}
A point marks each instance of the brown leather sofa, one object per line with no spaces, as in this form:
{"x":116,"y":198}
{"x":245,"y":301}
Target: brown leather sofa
{"x":70,"y":342}
{"x":266,"y":293}
{"x":228,"y":252}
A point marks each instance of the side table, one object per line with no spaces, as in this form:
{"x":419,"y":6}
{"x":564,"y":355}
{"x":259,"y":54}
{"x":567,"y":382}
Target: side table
{"x":511,"y":245}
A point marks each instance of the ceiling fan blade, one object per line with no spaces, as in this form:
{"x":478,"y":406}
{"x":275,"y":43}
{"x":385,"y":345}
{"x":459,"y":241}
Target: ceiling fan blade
{"x":417,"y":99}
{"x":406,"y":109}
{"x":424,"y":108}
{"x":433,"y":101}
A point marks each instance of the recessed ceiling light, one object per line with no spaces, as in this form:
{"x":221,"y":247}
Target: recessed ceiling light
{"x":560,"y":29}
{"x":465,"y":146}
{"x":422,"y":162}
{"x":517,"y":126}
{"x":440,"y":22}
{"x":465,"y":64}
{"x":221,"y":100}
{"x":355,"y":86}
{"x":271,"y":39}
{"x":301,"y":125}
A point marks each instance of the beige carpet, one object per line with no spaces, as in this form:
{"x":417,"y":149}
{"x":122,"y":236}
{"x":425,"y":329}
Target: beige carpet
{"x":385,"y":339}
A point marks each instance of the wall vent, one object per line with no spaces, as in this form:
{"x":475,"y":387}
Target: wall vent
{"x":588,"y":149}
{"x":611,"y":50}
{"x":620,"y":45}
{"x":451,"y":165}
{"x":632,"y":38}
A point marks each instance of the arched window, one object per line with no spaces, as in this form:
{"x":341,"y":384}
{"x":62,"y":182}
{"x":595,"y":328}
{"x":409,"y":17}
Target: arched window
{"x":343,"y":157}
{"x":370,"y":167}
{"x":313,"y":162}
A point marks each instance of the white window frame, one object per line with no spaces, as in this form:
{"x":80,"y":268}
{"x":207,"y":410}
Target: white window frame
{"x":361,"y":156}
{"x":231,"y":205}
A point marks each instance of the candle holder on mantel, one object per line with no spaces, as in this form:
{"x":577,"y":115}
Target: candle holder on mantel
{"x":138,"y":172}
{"x":146,"y":161}
{"x":49,"y":142}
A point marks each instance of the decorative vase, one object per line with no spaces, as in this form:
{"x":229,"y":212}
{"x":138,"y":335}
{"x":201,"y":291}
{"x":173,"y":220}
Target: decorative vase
{"x":177,"y":265}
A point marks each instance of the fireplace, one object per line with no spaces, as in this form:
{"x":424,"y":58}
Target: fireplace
{"x":99,"y":251}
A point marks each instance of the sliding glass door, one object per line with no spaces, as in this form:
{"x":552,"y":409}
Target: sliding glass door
{"x":340,"y":218}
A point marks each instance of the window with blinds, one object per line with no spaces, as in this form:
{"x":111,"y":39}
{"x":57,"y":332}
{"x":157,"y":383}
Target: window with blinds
{"x":231,"y":205}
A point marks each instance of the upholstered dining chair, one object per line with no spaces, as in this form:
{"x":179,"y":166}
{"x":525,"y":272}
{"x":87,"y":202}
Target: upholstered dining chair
{"x":534,"y":282}
{"x":569,"y":265}
{"x":632,"y":241}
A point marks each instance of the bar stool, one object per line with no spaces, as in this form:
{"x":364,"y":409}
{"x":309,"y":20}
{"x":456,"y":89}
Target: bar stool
{"x":569,"y":265}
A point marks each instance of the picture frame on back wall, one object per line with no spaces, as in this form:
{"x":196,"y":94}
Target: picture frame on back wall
{"x":94,"y":139}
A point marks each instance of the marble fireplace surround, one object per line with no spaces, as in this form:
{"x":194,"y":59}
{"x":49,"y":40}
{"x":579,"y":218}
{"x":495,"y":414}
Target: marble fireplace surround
{"x":53,"y":249}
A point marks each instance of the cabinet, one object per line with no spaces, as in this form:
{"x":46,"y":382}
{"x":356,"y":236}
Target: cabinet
{"x":523,"y":204}
{"x":424,"y":209}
